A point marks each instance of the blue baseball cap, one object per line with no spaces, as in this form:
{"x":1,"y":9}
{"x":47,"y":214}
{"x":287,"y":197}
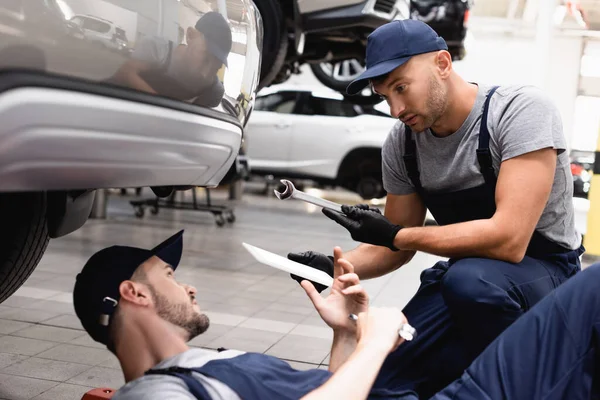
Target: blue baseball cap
{"x":393,"y":44}
{"x":217,"y":34}
{"x":96,"y":291}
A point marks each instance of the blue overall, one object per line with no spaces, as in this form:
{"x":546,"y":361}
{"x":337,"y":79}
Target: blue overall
{"x":551,"y":353}
{"x":464,"y":304}
{"x":255,"y":376}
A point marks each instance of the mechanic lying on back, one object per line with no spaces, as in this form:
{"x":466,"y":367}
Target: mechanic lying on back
{"x":491,"y":166}
{"x":184,"y":72}
{"x":128,"y":299}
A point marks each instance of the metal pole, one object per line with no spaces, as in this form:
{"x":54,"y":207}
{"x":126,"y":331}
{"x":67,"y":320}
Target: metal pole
{"x":99,"y":206}
{"x":222,"y":5}
{"x":543,"y":37}
{"x":159,"y":29}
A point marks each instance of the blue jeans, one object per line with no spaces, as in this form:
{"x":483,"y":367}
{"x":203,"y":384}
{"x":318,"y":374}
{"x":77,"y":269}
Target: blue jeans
{"x":461,"y":306}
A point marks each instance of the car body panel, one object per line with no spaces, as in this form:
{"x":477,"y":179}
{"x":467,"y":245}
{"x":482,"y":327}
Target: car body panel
{"x":94,"y":126}
{"x":80,"y":140}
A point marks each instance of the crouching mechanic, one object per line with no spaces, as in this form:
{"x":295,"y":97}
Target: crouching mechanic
{"x":127,"y":298}
{"x":491,"y":166}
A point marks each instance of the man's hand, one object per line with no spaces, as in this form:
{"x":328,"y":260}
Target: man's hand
{"x":379,"y":327}
{"x":366,"y":226}
{"x":315,"y":260}
{"x":347,"y":296}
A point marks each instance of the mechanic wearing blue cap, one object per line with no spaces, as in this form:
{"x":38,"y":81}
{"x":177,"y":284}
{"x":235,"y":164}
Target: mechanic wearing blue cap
{"x":184,"y":72}
{"x":128,"y":299}
{"x":490,"y":165}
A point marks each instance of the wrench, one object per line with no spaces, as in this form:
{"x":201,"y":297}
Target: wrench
{"x":291,"y":192}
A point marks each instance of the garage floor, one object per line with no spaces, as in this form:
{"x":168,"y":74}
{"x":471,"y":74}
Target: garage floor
{"x":45,"y":354}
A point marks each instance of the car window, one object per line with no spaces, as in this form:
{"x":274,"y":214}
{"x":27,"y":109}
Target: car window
{"x":95,"y":25}
{"x":283,"y":103}
{"x":330,"y":107}
{"x":120,"y":34}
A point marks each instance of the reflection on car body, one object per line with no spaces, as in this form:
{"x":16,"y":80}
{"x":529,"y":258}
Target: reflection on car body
{"x":71,"y":123}
{"x":182,"y":71}
{"x":111,"y":42}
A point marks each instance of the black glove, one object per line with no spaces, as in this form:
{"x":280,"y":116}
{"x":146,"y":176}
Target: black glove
{"x":366,"y":226}
{"x":367,"y":207}
{"x":315,"y":260}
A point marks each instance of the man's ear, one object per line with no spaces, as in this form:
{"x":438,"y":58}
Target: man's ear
{"x":191,"y":33}
{"x":135,"y":293}
{"x":443,"y":61}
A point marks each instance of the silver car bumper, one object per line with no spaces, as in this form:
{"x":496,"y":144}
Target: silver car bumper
{"x":54,"y":139}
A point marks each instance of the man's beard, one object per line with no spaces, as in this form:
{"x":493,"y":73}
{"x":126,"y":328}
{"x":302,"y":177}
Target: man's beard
{"x":181,"y":315}
{"x":436,"y":102}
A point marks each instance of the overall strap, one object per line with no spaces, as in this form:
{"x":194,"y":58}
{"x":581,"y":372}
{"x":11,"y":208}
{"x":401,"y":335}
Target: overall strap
{"x":484,"y":156}
{"x":410,"y":160}
{"x":185,"y":374}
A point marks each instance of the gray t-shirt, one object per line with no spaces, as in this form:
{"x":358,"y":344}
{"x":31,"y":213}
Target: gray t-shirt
{"x":161,"y":387}
{"x":521,"y":119}
{"x":155,"y":51}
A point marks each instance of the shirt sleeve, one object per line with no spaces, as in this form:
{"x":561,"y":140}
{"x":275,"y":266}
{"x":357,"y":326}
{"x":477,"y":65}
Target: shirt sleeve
{"x":151,"y":50}
{"x":395,"y":177}
{"x":526,"y":122}
{"x":155,"y":389}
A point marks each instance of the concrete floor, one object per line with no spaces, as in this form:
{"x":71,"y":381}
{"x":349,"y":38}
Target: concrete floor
{"x":45,"y":354}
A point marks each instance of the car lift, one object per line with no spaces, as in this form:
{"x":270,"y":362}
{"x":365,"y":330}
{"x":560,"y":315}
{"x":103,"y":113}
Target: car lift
{"x":221,"y":213}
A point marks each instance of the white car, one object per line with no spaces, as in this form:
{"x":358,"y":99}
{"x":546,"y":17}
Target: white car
{"x":318,"y":135}
{"x":103,"y":32}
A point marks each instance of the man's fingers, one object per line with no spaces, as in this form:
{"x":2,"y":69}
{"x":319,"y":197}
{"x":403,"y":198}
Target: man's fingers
{"x":312,"y":293}
{"x":298,"y":257}
{"x":350,"y":278}
{"x":356,"y":289}
{"x":337,"y":256}
{"x":337,"y":253}
{"x":347,"y":267}
{"x":338,"y":217}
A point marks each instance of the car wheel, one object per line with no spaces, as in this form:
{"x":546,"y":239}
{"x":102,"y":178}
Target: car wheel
{"x":275,"y":41}
{"x":370,"y":184}
{"x":360,"y":172}
{"x":23,"y":238}
{"x":337,"y":76}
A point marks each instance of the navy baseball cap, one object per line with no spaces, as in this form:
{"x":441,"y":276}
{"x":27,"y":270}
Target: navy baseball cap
{"x":96,"y":292}
{"x":393,"y":44}
{"x":217,"y":33}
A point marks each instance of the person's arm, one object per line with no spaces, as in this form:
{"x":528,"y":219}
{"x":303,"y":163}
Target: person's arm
{"x":377,"y":337}
{"x":129,"y":75}
{"x":344,"y":344}
{"x":523,"y":188}
{"x":373,"y":261}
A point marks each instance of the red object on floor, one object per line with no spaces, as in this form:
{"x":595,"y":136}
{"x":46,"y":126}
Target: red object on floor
{"x":99,"y":394}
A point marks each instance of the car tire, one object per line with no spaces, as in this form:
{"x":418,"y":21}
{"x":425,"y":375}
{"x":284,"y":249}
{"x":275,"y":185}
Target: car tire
{"x":360,"y":172}
{"x":24,"y":238}
{"x":322,"y":76}
{"x":275,"y":41}
{"x":369,"y":184}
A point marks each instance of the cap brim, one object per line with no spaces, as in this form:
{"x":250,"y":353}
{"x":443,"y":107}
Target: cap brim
{"x":170,"y":250}
{"x":385,"y":67}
